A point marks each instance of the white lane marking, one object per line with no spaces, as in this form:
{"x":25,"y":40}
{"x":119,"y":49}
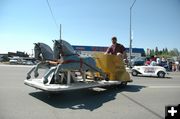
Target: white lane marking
{"x":163,"y":86}
{"x":1,"y":65}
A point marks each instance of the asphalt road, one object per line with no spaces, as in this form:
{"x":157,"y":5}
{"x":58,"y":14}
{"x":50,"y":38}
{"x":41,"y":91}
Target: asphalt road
{"x":144,"y":98}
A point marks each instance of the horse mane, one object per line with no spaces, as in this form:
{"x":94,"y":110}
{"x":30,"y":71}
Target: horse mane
{"x":46,"y":51}
{"x":68,"y":47}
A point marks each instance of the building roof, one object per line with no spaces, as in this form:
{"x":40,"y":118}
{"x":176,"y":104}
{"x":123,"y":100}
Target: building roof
{"x":89,"y":48}
{"x":136,"y":50}
{"x":103,"y":49}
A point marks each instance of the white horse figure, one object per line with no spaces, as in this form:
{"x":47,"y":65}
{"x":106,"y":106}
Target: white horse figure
{"x":71,"y":61}
{"x":42,"y":53}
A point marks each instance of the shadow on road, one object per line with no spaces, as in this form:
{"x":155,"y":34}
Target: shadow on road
{"x":83,"y":99}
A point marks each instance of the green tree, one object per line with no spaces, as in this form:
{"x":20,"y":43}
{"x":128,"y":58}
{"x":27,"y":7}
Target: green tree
{"x":172,"y":53}
{"x":160,"y":52}
{"x":156,"y":51}
{"x":166,"y":51}
{"x":176,"y":52}
{"x":152,"y":52}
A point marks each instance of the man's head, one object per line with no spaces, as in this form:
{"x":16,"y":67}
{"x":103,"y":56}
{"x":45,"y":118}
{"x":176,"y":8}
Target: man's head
{"x":114,"y":40}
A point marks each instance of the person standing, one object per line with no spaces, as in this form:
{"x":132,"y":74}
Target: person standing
{"x":177,"y":65}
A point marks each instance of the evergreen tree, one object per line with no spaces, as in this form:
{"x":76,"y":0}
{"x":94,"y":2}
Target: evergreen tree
{"x":152,"y":53}
{"x":156,"y":50}
{"x":166,"y":51}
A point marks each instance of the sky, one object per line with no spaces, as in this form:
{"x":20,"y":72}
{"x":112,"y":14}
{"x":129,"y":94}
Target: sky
{"x":155,"y":23}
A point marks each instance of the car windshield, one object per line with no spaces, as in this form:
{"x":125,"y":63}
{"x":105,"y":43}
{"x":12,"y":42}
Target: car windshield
{"x":139,"y":59}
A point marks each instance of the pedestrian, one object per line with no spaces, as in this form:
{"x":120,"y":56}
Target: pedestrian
{"x":177,"y":65}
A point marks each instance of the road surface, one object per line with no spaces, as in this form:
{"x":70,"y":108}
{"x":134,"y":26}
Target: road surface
{"x":144,"y":98}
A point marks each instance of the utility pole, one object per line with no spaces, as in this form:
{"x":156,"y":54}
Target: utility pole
{"x":130,"y":35}
{"x":32,"y":52}
{"x":60,"y":32}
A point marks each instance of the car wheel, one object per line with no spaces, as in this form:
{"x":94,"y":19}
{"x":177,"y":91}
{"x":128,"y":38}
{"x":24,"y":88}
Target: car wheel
{"x":134,"y":73}
{"x":161,"y":74}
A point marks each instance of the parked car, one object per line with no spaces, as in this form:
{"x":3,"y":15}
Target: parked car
{"x":149,"y":71}
{"x":138,"y":61}
{"x":13,"y":61}
{"x":27,"y":62}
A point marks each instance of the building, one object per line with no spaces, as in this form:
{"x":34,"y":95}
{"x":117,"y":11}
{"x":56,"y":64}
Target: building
{"x":15,"y":55}
{"x":4,"y":57}
{"x":89,"y":50}
{"x":18,"y":53}
{"x":136,"y":52}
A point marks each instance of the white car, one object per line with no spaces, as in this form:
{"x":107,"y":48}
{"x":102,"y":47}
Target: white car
{"x":13,"y":61}
{"x":149,"y":71}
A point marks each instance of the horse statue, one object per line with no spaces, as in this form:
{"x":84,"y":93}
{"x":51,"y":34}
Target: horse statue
{"x":71,"y":61}
{"x":42,"y":53}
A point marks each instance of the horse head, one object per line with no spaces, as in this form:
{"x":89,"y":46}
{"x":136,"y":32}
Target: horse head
{"x":63,"y":47}
{"x":37,"y":51}
{"x":43,"y":52}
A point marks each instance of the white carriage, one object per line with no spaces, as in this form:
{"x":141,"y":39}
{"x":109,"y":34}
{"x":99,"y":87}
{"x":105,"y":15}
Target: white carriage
{"x":97,"y":71}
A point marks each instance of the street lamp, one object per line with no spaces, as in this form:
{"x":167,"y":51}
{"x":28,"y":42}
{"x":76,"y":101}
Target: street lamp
{"x":130,"y":37}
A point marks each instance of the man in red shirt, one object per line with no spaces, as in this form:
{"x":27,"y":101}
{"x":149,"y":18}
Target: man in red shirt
{"x":117,"y":49}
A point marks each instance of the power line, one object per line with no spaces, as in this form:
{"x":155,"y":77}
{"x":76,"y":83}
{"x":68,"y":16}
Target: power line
{"x":54,"y":19}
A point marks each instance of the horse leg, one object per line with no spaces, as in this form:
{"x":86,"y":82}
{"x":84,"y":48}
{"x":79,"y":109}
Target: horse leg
{"x":45,"y":78}
{"x":39,"y":65}
{"x":56,"y":75}
{"x":36,"y":74}
{"x":83,"y":73}
{"x":64,"y":67}
{"x":29,"y":73}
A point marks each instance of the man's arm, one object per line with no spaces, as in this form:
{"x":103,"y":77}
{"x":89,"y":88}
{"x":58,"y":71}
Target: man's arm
{"x":108,"y":51}
{"x":125,"y":55}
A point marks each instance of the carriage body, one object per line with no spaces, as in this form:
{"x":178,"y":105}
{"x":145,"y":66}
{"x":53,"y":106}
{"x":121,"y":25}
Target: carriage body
{"x":113,"y":66}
